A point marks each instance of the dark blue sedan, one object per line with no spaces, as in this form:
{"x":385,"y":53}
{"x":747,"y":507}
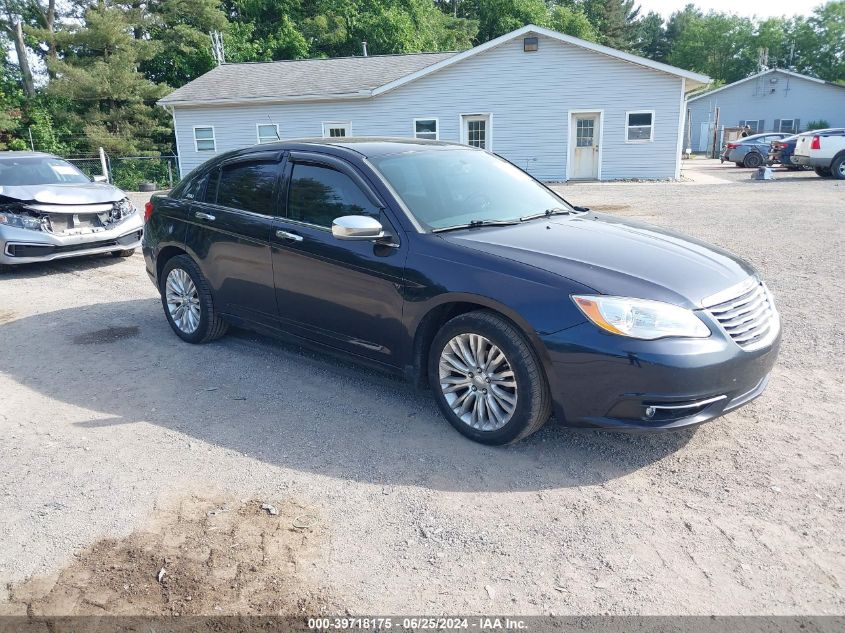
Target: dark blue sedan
{"x":456,"y":269}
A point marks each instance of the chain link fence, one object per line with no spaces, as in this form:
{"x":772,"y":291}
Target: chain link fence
{"x":132,"y":173}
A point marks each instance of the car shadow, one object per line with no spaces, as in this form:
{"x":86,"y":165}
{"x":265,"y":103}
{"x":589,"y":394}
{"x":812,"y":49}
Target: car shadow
{"x":296,"y":409}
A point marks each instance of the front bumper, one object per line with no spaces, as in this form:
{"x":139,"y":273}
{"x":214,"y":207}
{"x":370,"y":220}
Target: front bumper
{"x":605,"y":381}
{"x":22,"y":246}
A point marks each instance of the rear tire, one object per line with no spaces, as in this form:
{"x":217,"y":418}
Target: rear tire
{"x":752,"y":160}
{"x":127,"y":253}
{"x":187,"y":302}
{"x":823,"y":172}
{"x":837,"y":168}
{"x":516,"y":400}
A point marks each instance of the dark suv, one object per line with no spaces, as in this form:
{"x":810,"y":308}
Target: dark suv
{"x":453,"y":267}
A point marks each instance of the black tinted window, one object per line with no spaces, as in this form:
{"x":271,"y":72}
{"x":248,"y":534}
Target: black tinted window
{"x":195,"y":189}
{"x":248,"y":186}
{"x":318,"y":195}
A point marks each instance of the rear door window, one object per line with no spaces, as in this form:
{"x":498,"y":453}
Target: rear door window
{"x":249,"y":186}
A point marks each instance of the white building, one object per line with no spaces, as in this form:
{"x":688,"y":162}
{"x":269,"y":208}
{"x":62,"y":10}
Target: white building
{"x":560,"y":107}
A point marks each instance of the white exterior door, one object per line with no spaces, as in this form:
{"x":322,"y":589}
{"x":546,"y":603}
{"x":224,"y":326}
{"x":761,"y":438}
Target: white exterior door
{"x":336,"y":130}
{"x":585,"y":141}
{"x":476,"y":130}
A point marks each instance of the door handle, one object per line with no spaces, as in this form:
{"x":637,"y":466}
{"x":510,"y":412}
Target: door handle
{"x":204,"y":216}
{"x":285,"y":235}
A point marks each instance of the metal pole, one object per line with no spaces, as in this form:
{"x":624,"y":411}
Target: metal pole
{"x":716,"y":147}
{"x":31,"y":144}
{"x":170,"y":172}
{"x":103,"y":165}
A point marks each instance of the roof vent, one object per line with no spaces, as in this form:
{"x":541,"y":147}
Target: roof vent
{"x":530,"y":44}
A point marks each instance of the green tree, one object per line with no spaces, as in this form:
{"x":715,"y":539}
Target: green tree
{"x":497,"y":17}
{"x":571,"y":20}
{"x":651,"y":40}
{"x":615,"y":20}
{"x":97,"y":71}
{"x":717,"y":44}
{"x":182,"y":29}
{"x":820,"y":42}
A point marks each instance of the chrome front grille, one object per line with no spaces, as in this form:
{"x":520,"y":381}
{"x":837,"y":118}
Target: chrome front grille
{"x":750,"y":317}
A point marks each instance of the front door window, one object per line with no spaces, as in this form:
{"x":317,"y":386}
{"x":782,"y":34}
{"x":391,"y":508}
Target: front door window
{"x":585,"y":131}
{"x":477,"y":131}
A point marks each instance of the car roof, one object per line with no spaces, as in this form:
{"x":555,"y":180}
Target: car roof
{"x":27,"y":154}
{"x":754,"y":137}
{"x":367,"y":146}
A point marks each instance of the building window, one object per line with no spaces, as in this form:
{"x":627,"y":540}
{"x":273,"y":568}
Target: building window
{"x":337,"y":130}
{"x":789,"y":126}
{"x":427,"y":129}
{"x":756,"y":125}
{"x":639,"y":127}
{"x":204,"y":139}
{"x":268,"y":133}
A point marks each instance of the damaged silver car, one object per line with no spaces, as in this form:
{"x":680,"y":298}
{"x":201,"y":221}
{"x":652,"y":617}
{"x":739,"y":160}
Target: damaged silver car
{"x":50,"y":210}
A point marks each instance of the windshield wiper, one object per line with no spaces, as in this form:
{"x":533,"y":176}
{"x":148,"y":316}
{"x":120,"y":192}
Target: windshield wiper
{"x":474,"y":224}
{"x":547,"y":213}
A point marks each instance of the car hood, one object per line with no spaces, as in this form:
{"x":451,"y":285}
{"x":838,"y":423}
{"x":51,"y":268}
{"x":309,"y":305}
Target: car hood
{"x":614,"y":256}
{"x":71,"y":193}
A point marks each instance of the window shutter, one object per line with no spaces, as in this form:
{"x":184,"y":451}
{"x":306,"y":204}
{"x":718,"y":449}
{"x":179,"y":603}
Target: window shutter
{"x":761,"y":126}
{"x":777,"y":125}
{"x":797,"y":125}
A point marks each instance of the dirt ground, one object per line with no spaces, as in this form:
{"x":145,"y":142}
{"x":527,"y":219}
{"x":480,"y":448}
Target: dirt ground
{"x":119,"y":440}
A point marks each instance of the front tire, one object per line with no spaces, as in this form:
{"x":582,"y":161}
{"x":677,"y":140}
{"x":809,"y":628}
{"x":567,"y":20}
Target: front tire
{"x":487,"y":379}
{"x":187,"y":301}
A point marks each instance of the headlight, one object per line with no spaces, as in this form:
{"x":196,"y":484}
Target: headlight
{"x":20,"y":220}
{"x":125,"y":208}
{"x":640,"y":318}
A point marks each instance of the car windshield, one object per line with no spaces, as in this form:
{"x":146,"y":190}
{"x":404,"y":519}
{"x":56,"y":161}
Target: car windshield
{"x":449,"y":187}
{"x":38,"y":170}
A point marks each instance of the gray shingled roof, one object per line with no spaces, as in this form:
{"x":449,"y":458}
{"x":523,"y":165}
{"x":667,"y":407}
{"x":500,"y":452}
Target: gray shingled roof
{"x":301,"y":78}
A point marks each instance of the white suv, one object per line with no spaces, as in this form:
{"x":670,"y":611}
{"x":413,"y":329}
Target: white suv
{"x":824,"y":150}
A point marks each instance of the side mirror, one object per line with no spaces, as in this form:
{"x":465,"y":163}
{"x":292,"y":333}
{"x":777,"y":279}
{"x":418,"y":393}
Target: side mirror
{"x":100,"y":178}
{"x":357,"y":227}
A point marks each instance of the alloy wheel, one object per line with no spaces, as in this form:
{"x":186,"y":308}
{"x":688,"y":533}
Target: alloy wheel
{"x":478,"y":382}
{"x":183,"y":301}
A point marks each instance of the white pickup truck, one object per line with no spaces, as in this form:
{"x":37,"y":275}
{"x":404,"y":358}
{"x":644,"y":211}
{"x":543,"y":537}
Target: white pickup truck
{"x":824,"y":150}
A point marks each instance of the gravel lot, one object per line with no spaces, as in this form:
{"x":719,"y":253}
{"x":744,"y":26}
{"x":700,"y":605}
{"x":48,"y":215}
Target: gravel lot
{"x":110,"y":422}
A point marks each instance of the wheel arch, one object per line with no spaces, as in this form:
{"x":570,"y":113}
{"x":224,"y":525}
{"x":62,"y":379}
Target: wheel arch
{"x":165,"y":255}
{"x":448,"y":307}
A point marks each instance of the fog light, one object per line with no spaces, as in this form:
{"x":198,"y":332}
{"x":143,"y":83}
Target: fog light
{"x":650,"y":411}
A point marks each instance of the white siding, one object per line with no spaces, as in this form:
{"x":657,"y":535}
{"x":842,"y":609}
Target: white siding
{"x":527,"y":94}
{"x":788,"y":98}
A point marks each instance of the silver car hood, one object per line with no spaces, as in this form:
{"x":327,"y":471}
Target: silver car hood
{"x":70,"y":194}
